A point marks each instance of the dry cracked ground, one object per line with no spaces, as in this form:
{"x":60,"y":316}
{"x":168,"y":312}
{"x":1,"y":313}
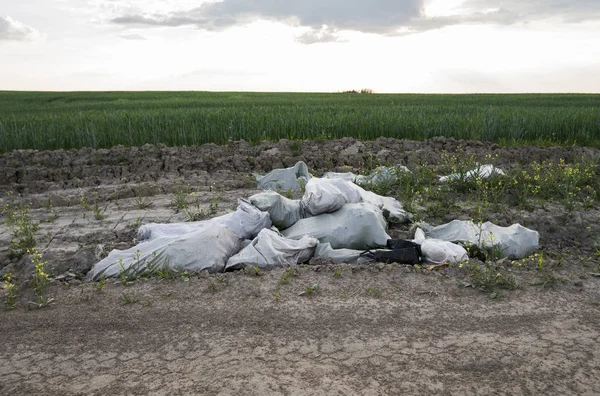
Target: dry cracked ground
{"x":376,"y":329}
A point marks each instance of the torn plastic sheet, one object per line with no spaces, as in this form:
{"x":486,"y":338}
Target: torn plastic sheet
{"x":293,"y":178}
{"x":381,"y":174}
{"x":514,"y":242}
{"x":269,"y":250}
{"x":482,"y":171}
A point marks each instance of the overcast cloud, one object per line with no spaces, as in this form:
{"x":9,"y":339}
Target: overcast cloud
{"x":387,"y":17}
{"x":15,"y":30}
{"x":261,"y":45}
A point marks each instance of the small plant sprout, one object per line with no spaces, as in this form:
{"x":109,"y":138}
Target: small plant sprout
{"x":286,"y":278}
{"x":310,"y":290}
{"x":179,"y":199}
{"x":99,"y":212}
{"x":143,"y":202}
{"x":101,"y":283}
{"x":252,"y":270}
{"x":129,"y":299}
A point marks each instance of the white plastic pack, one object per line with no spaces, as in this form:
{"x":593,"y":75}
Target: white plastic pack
{"x":283,"y":212}
{"x":247,"y":221}
{"x":204,"y":249}
{"x":354,"y":226}
{"x":514,"y":242}
{"x":328,"y":195}
{"x":285,"y":179}
{"x":436,"y":251}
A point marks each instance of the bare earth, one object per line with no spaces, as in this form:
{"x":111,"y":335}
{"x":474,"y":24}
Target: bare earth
{"x":379,"y":329}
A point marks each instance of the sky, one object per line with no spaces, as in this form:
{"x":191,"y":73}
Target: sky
{"x":429,"y":46}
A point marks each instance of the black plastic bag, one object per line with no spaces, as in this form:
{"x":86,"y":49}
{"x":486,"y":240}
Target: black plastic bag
{"x":401,"y":252}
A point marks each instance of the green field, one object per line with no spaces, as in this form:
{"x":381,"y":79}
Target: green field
{"x":52,"y":120}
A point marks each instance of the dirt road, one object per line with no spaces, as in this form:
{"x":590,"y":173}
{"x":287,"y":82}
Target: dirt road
{"x":368,"y":331}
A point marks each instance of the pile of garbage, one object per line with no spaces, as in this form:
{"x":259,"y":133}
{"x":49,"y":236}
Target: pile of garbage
{"x":336,"y":219}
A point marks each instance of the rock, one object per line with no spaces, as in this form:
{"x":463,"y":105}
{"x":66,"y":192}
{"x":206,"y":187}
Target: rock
{"x":83,"y":260}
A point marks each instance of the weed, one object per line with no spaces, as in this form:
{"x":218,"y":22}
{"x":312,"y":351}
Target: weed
{"x":142,"y":202}
{"x":313,"y":289}
{"x":101,"y":283}
{"x":99,"y":212}
{"x":83,"y":202}
{"x":296,"y":148}
{"x":23,"y":229}
{"x":138,"y":222}
{"x":166,"y":273}
{"x":286,"y":278}
{"x":40,"y":279}
{"x":338,"y":272}
{"x":52,"y":216}
{"x":289,"y":193}
{"x":126,"y":274}
{"x":487,"y":279}
{"x":212,"y":287}
{"x":252,"y":270}
{"x":201,"y":214}
{"x":373,"y":292}
{"x":11,"y":291}
{"x":129,"y":299}
{"x":179,"y":199}
{"x":549,"y":279}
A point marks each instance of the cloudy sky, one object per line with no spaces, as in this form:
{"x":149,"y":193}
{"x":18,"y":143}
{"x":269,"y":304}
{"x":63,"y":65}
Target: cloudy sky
{"x":301,"y":45}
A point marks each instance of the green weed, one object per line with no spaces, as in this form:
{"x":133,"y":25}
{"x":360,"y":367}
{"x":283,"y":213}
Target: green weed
{"x":11,"y":291}
{"x":129,"y":299}
{"x":40,"y":279}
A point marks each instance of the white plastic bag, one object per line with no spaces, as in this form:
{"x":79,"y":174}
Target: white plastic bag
{"x":247,"y":221}
{"x":269,"y":250}
{"x":204,"y":249}
{"x":354,"y":226}
{"x":289,"y":178}
{"x":328,"y":195}
{"x":436,"y":251}
{"x":514,"y":242}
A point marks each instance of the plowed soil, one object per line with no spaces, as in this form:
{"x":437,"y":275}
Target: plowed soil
{"x":376,"y":329}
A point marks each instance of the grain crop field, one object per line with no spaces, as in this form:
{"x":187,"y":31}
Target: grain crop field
{"x":54,"y":120}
